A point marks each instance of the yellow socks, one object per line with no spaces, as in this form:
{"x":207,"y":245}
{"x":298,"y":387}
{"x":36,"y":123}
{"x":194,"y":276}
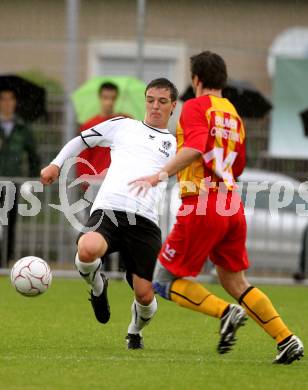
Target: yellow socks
{"x":260,"y":308}
{"x":257,"y":305}
{"x":196,"y":297}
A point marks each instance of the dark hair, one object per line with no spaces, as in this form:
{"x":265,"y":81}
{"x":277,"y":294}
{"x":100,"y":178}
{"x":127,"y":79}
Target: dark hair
{"x":108,"y":85}
{"x":210,"y":68}
{"x":166,"y":84}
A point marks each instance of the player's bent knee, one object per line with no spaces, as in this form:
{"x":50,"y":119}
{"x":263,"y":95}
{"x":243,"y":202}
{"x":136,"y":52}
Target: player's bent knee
{"x":86,"y":254}
{"x":144,"y":296}
{"x":143,"y":290}
{"x":91,"y":246}
{"x":145,"y":299}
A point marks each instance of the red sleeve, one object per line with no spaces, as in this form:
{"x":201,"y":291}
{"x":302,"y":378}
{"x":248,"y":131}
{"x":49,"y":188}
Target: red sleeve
{"x":83,"y":169}
{"x":98,"y":156}
{"x":92,"y":122}
{"x":194,"y":125}
{"x":84,"y":127}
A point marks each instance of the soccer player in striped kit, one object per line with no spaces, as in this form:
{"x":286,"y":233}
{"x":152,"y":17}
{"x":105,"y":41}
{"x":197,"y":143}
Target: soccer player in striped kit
{"x":211,"y":221}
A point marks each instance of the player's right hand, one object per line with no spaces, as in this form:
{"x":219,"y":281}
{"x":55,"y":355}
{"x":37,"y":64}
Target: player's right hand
{"x":49,"y":174}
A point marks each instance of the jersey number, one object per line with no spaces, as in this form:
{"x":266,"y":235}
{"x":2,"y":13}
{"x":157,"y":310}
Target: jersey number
{"x":222,"y":166}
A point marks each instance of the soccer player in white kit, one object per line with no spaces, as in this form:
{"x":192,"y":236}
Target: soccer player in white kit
{"x":120,"y":219}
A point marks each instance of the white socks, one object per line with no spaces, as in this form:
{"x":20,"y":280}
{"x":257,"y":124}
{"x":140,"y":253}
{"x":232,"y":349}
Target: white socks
{"x":91,"y":274}
{"x":141,"y":316}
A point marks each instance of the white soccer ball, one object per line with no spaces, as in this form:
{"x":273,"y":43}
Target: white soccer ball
{"x":31,"y":276}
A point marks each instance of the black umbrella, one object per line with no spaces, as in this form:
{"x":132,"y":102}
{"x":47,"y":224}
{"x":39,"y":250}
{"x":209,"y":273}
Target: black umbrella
{"x":187,"y":94}
{"x":249,"y":102}
{"x":304,"y":116}
{"x":31,"y":99}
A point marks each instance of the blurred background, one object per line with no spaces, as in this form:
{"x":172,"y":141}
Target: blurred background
{"x":59,"y":46}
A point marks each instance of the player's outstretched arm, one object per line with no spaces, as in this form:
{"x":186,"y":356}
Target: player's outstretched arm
{"x":180,"y":161}
{"x":73,"y":148}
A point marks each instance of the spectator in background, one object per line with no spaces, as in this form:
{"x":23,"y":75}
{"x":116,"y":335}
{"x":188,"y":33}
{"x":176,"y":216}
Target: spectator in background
{"x":17,"y":147}
{"x":99,"y":157}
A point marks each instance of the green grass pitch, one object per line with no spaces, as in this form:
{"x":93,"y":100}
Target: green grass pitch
{"x":54,"y":342}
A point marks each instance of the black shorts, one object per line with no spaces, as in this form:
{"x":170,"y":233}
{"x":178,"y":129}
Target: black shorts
{"x":136,"y":237}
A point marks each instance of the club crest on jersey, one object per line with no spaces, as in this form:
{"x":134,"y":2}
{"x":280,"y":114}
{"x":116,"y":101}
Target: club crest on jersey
{"x":166,"y":145}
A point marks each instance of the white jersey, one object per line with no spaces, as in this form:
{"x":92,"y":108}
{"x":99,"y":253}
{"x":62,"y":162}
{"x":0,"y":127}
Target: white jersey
{"x":136,"y":150}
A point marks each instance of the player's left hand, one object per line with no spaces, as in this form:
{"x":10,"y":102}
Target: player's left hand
{"x":143,"y":184}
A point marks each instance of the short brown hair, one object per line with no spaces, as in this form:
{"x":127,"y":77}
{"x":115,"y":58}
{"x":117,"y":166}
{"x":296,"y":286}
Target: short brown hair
{"x":210,"y":68}
{"x":165,"y":84}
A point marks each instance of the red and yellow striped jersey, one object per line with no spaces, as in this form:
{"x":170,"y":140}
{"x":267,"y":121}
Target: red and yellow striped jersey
{"x":212,"y":126}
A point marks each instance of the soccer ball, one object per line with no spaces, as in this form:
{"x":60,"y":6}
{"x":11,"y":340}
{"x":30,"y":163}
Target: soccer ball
{"x":31,"y":276}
